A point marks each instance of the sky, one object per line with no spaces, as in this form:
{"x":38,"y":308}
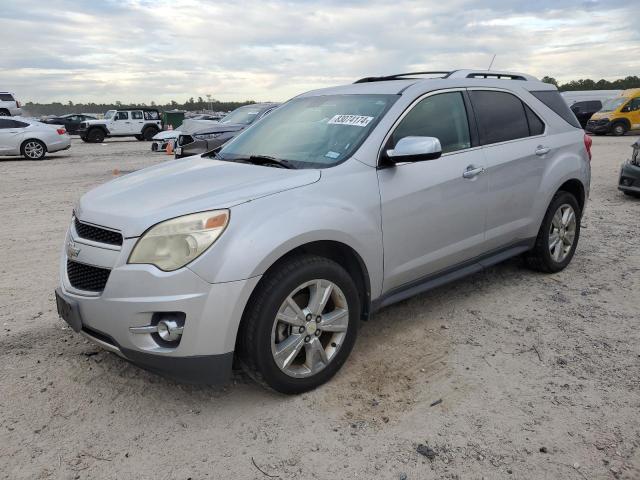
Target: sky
{"x":156,"y":50}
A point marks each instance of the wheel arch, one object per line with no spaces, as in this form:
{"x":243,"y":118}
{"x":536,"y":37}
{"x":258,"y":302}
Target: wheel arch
{"x":27,"y":140}
{"x":340,"y":253}
{"x":576,"y":188}
{"x":99,"y":127}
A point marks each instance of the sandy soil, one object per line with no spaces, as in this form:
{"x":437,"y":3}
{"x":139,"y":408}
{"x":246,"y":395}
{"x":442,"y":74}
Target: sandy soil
{"x":538,"y":376}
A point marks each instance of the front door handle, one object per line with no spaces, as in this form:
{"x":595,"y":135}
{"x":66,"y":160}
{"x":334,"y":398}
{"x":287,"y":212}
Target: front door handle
{"x":542,"y":150}
{"x":472,"y":171}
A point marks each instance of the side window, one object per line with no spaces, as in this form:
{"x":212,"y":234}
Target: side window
{"x":553,"y":100}
{"x":18,"y":124}
{"x":536,"y":126}
{"x":122,"y":116}
{"x":634,"y":104}
{"x":443,"y":116}
{"x":6,"y":97}
{"x":6,"y":123}
{"x":501,"y":116}
{"x":151,"y":115}
{"x":136,"y":115}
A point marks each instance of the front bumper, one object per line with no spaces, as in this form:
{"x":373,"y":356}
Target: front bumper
{"x":134,"y":293}
{"x":598,"y":126}
{"x":629,"y":178}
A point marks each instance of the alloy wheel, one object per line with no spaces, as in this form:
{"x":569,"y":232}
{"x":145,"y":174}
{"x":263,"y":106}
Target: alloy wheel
{"x":34,"y":150}
{"x":562,"y":232}
{"x":309,"y":328}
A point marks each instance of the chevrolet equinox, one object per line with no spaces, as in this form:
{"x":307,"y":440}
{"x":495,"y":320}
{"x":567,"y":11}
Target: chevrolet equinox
{"x":270,"y":250}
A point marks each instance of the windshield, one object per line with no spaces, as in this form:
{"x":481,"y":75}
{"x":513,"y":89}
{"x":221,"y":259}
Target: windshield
{"x":312,"y":132}
{"x":612,"y":104}
{"x":109,"y":114}
{"x":243,"y":115}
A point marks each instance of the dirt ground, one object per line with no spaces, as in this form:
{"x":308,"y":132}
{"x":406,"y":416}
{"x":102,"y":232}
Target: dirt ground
{"x":538,"y":377}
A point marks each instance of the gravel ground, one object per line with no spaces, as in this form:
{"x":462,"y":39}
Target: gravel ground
{"x":536,"y":376}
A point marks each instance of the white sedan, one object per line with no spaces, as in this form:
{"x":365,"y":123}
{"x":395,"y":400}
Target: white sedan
{"x":30,"y":138}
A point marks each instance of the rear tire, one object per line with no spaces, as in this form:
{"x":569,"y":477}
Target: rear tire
{"x":33,"y":149}
{"x":148,"y":133}
{"x":619,"y":129}
{"x":95,"y":136}
{"x":632,"y":194}
{"x":307,"y":349}
{"x":558,"y":236}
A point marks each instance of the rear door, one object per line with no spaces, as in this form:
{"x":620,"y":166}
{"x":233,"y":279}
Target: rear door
{"x":516,"y":149}
{"x":432,"y":216}
{"x":137,"y":121}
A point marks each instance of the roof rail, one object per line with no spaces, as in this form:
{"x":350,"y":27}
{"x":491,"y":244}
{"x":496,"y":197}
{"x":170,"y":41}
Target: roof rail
{"x":401,"y":76}
{"x":491,"y":74}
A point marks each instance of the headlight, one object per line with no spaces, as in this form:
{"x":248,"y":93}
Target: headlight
{"x":172,"y":244}
{"x":208,"y":136}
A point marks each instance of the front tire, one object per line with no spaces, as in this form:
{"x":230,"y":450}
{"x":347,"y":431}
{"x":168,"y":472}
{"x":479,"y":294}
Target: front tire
{"x":558,"y":235}
{"x":300,"y":324}
{"x":33,"y":149}
{"x":619,"y":129}
{"x":95,"y":136}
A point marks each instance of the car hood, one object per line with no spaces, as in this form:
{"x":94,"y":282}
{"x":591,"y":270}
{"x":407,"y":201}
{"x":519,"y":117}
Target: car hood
{"x":166,"y":135}
{"x":601,"y":115}
{"x":219,"y":128}
{"x":135,"y":202}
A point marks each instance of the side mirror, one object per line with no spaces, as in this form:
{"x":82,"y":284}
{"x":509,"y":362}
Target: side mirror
{"x":415,"y":149}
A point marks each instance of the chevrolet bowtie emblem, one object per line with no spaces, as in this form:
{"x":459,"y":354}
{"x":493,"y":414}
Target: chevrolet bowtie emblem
{"x":72,"y":249}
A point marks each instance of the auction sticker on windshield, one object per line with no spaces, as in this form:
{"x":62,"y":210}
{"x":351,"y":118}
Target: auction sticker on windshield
{"x":355,"y":120}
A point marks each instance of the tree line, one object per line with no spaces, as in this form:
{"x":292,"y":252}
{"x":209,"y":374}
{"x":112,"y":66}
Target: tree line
{"x":191,"y":105}
{"x":588,"y":84}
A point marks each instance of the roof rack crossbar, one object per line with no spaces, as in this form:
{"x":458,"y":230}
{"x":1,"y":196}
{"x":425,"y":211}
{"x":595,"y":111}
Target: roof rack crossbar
{"x":511,"y":76}
{"x":399,"y":76}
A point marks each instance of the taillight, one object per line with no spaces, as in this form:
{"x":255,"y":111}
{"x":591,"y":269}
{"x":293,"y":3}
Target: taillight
{"x":588,"y":141}
{"x":61,"y":131}
{"x":17,"y":104}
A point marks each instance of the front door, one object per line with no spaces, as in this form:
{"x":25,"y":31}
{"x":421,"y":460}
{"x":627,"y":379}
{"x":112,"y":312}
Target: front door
{"x":433,"y":217}
{"x":121,"y":124}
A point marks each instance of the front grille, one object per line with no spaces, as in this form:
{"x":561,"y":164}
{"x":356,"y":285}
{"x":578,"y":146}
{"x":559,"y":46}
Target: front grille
{"x":87,"y":277}
{"x":97,"y":234}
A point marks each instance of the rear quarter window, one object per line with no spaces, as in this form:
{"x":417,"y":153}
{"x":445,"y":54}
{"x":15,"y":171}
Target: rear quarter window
{"x":553,"y":100}
{"x":6,"y":97}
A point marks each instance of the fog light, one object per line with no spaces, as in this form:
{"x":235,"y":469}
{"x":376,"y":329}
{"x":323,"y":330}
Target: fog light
{"x":169,"y":330}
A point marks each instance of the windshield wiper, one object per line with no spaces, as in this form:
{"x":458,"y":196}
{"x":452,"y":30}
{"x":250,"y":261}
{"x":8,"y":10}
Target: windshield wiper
{"x":265,"y":160}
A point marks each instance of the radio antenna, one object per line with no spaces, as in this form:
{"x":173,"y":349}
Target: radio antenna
{"x":491,"y":64}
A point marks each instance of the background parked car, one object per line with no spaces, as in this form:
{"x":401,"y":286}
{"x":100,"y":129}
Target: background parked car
{"x":30,"y":138}
{"x":629,"y":182}
{"x":9,"y":106}
{"x":194,"y":141}
{"x":141,"y":123}
{"x":71,"y":122}
{"x":618,"y":115}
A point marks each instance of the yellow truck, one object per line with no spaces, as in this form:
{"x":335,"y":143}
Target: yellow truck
{"x":618,"y":115}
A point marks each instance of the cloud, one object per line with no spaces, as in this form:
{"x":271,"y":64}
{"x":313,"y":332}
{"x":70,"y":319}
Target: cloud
{"x":141,"y":50}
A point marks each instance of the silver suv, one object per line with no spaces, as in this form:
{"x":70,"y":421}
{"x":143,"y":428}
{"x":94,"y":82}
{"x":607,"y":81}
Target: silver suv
{"x":343,"y":201}
{"x":9,"y":106}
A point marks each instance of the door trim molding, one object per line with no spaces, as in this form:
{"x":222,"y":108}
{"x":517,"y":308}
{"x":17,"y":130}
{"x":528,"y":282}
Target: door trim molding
{"x":450,"y":274}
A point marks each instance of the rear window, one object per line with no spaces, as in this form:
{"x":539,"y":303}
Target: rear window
{"x":553,"y":100}
{"x":6,"y":97}
{"x":501,"y":116}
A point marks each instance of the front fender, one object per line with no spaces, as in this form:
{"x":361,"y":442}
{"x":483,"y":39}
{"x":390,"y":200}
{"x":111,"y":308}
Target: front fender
{"x":343,"y":206}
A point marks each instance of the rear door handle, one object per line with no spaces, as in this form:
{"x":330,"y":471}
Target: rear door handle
{"x":541,"y":150}
{"x":472,"y":171}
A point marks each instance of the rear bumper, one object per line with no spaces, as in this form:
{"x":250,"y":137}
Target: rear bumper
{"x":629,"y":178}
{"x":62,"y":143}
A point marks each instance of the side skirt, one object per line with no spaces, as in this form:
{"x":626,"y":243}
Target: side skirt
{"x":450,"y":274}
